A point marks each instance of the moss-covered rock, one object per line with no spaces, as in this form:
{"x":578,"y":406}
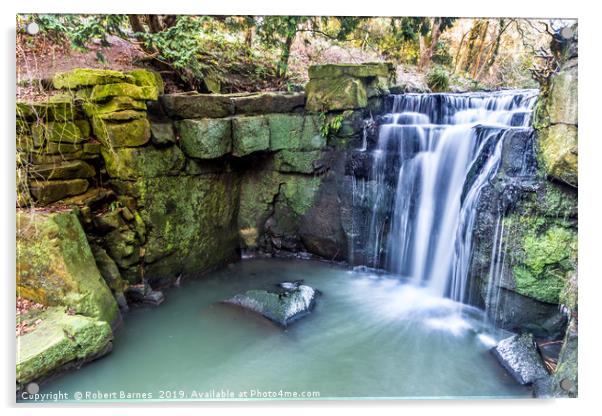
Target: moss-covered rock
{"x":195,"y":105}
{"x":190,"y":221}
{"x":115,"y":104}
{"x":85,"y":77}
{"x":558,"y":151}
{"x":249,"y":134}
{"x":54,"y":109}
{"x":343,"y":93}
{"x":162,"y":133}
{"x":58,"y":340}
{"x":295,"y":132}
{"x":67,"y":170}
{"x":297,"y":161}
{"x":47,"y":192}
{"x":142,"y":162}
{"x":104,"y":92}
{"x":257,"y":193}
{"x":126,"y":134}
{"x":269,"y":102}
{"x":57,"y":132}
{"x":55,"y":265}
{"x":205,"y":138}
{"x":148,"y":78}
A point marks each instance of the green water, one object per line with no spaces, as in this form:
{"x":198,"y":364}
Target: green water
{"x":369,"y":336}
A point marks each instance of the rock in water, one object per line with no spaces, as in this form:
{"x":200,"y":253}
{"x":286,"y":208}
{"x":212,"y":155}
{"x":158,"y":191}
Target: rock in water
{"x":291,"y":301}
{"x":519,"y":356}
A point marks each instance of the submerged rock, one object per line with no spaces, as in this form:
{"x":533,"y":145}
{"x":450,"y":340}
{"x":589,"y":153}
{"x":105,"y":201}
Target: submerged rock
{"x":291,"y":301}
{"x":519,"y":356}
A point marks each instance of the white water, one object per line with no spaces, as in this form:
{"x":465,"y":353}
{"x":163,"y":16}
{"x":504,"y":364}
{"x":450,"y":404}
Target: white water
{"x":434,"y":141}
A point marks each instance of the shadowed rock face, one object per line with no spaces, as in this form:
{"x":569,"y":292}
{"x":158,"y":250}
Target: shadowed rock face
{"x":291,"y":301}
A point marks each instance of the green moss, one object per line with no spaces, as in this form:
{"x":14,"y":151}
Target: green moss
{"x":46,"y":192}
{"x":146,"y":162}
{"x":115,"y":104}
{"x":129,"y":134}
{"x":190,"y":222}
{"x":104,"y":92}
{"x":55,"y":265}
{"x":145,"y":77}
{"x":558,"y":150}
{"x":295,"y":132}
{"x":59,"y":108}
{"x":57,"y":132}
{"x":83,"y":77}
{"x":59,"y":339}
{"x":67,"y":170}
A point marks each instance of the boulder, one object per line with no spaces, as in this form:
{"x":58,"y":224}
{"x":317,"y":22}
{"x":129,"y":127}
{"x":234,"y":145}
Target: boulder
{"x":519,"y":356}
{"x":269,"y":102}
{"x":291,"y":301}
{"x":562,"y":103}
{"x":249,"y":134}
{"x":47,"y":192}
{"x":195,"y":105}
{"x":142,"y":294}
{"x":66,"y":170}
{"x":135,"y":162}
{"x":85,"y":77}
{"x":55,"y":265}
{"x":128,"y":134}
{"x":205,"y":138}
{"x":60,"y":341}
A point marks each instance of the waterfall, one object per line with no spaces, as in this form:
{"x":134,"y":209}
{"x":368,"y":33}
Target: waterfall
{"x":434,"y":155}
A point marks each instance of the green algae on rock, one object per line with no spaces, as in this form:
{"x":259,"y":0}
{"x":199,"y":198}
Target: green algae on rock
{"x":249,"y":134}
{"x":55,"y":265}
{"x":125,"y":134}
{"x":46,"y":192}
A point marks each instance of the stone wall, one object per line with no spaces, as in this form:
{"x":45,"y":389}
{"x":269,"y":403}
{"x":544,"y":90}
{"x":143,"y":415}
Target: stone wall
{"x":169,"y":185}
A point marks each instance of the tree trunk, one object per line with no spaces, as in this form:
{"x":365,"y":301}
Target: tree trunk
{"x":284,"y":56}
{"x":136,"y":23}
{"x":494,"y":50}
{"x":483,"y":37}
{"x":427,"y":55}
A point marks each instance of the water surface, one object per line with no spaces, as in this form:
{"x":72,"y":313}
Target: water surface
{"x":369,"y":336}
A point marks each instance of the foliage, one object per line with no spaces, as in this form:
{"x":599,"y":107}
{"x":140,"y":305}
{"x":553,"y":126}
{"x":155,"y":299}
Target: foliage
{"x":332,"y":124}
{"x":437,"y":79}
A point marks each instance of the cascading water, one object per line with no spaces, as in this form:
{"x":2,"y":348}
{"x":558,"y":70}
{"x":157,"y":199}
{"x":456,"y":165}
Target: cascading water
{"x":435,"y":153}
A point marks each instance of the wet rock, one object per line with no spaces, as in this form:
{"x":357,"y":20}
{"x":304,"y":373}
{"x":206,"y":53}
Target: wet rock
{"x":144,"y":295}
{"x":519,"y":356}
{"x":299,"y":162}
{"x":291,"y":301}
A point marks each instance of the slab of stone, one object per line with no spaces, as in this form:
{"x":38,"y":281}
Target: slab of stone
{"x":57,"y":132}
{"x":342,"y":93}
{"x":295,"y":132}
{"x":162,"y":133}
{"x":365,"y":70}
{"x":269,"y":102}
{"x":47,"y":192}
{"x":125,"y":134}
{"x":250,"y":134}
{"x":67,"y":170}
{"x":195,"y":105}
{"x":84,"y":77}
{"x":205,"y":138}
{"x":104,"y":92}
{"x":130,"y":163}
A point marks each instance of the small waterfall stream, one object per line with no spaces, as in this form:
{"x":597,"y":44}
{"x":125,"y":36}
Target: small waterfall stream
{"x":434,"y":155}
